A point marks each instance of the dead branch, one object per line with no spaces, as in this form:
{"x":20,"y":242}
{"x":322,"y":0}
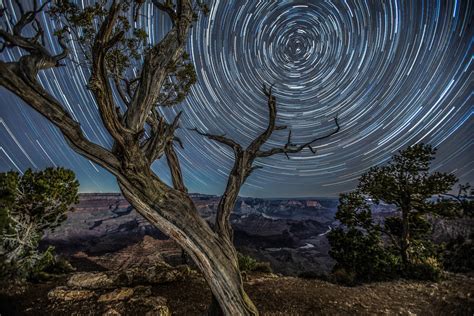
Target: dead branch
{"x":220,"y":139}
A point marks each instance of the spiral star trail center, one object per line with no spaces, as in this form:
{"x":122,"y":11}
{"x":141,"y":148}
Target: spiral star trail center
{"x":395,"y":72}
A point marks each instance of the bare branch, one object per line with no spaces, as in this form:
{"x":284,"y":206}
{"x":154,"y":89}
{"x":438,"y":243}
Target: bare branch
{"x":291,"y":148}
{"x":120,"y":91}
{"x":272,"y":113}
{"x":175,"y":168}
{"x":221,"y":139}
{"x":179,"y":141}
{"x":162,"y":135}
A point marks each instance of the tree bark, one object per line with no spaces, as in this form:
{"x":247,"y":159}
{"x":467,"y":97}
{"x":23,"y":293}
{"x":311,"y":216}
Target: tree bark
{"x":405,"y":239}
{"x":216,"y":257}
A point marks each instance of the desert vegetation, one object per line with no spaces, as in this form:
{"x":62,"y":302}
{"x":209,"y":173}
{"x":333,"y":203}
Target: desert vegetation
{"x":31,"y":204}
{"x":373,"y":249}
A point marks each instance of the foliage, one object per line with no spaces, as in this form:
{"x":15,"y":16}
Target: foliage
{"x":358,"y":248}
{"x":462,"y":202}
{"x":459,"y":254}
{"x":30,"y":204}
{"x":247,"y":263}
{"x":130,"y":43}
{"x":399,"y":245}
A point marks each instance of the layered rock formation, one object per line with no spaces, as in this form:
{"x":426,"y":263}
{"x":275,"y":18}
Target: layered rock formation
{"x":104,"y":230}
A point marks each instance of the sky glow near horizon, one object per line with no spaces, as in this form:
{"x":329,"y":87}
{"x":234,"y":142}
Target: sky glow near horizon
{"x":394,"y":72}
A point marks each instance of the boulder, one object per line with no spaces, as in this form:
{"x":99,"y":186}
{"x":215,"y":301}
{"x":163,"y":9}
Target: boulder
{"x":65,"y":294}
{"x":157,"y":306}
{"x":111,"y":312}
{"x":92,"y":280}
{"x":158,"y":274}
{"x":116,"y":295}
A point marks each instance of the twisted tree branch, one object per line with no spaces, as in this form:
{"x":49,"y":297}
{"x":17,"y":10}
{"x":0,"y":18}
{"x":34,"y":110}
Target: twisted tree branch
{"x":220,"y":139}
{"x":155,"y":69}
{"x":290,"y":148}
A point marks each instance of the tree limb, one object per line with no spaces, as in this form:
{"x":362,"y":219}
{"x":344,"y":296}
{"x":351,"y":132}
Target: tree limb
{"x":166,"y":7}
{"x":291,"y":148}
{"x":156,"y":66}
{"x":32,"y":93}
{"x":99,"y":82}
{"x":175,"y":168}
{"x":272,"y":112}
{"x":162,"y":134}
{"x":221,"y":139}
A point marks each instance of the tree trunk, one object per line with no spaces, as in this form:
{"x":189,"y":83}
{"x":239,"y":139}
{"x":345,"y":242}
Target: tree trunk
{"x":214,"y":309}
{"x":174,"y":213}
{"x":405,"y":241}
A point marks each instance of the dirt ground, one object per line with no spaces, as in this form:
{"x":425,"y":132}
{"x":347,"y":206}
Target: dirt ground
{"x":277,"y":295}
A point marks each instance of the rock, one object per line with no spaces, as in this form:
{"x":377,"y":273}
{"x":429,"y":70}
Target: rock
{"x":116,"y":295}
{"x":65,"y":294}
{"x":111,"y":312}
{"x":158,"y":306}
{"x":91,"y":280}
{"x":142,"y":291}
{"x":160,"y":273}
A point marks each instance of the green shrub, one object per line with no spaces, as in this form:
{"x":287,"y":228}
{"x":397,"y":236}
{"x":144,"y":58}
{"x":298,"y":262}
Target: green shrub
{"x":426,"y":271}
{"x":247,"y":263}
{"x":358,"y":247}
{"x":30,"y":204}
{"x":263,"y":267}
{"x":459,"y":254}
{"x":342,"y":276}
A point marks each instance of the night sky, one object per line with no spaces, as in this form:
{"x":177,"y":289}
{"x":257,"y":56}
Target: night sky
{"x":396,"y":72}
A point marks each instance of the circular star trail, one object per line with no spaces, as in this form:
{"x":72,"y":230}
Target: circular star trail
{"x":394,"y":72}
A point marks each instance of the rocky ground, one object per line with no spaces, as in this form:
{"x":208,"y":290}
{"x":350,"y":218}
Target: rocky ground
{"x":164,"y":290}
{"x":124,"y":266}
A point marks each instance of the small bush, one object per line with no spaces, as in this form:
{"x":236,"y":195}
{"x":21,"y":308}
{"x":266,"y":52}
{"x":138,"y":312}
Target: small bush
{"x":459,"y":254}
{"x":427,"y":271}
{"x":263,"y":267}
{"x":247,"y":263}
{"x":49,"y":266}
{"x":342,"y":276}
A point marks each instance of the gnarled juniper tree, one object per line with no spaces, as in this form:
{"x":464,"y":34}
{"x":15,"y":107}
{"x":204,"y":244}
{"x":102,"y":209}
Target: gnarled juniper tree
{"x":30,"y":204}
{"x":111,"y":46}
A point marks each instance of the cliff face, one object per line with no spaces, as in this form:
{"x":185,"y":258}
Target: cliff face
{"x":105,"y":229}
{"x":290,"y":234}
{"x":447,"y":229}
{"x":100,"y":223}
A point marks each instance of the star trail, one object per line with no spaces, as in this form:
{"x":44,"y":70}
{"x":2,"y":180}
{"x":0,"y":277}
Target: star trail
{"x":395,"y":72}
